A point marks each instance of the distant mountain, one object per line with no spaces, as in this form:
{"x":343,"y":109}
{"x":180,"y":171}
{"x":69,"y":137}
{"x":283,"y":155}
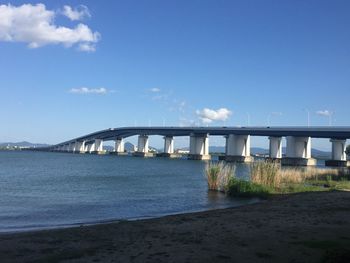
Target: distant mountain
{"x":23,"y":144}
{"x":129,"y":147}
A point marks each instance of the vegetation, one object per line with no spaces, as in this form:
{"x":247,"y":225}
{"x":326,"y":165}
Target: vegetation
{"x":267,"y":178}
{"x":218,"y":175}
{"x":242,"y":188}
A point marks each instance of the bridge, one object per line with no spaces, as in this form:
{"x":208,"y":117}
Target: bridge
{"x":298,"y":151}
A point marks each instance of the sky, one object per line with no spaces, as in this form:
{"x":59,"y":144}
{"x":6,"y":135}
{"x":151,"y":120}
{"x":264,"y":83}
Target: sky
{"x":68,"y":68}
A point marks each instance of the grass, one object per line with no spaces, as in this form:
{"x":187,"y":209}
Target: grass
{"x":218,"y":175}
{"x":242,"y":188}
{"x":268,"y":178}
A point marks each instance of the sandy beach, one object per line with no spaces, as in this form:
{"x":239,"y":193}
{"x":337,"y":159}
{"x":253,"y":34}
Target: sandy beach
{"x":310,"y":227}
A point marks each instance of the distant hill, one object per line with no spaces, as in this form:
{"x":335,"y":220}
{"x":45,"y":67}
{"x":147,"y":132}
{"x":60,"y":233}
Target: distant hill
{"x":129,"y":147}
{"x":23,"y":144}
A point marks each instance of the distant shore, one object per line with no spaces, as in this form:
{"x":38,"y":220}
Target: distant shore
{"x":308,"y":227}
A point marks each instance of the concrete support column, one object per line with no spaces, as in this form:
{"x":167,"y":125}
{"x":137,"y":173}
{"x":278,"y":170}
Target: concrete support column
{"x":298,"y":152}
{"x":119,"y":148}
{"x":97,"y":147}
{"x":275,"y":150}
{"x":90,"y":148}
{"x":338,"y":154}
{"x":143,"y":147}
{"x":168,"y":148}
{"x":79,"y":147}
{"x":119,"y":145}
{"x":168,"y":145}
{"x":71,"y":147}
{"x":298,"y":147}
{"x":199,"y":147}
{"x":238,"y":148}
{"x":338,"y":150}
{"x":142,"y":144}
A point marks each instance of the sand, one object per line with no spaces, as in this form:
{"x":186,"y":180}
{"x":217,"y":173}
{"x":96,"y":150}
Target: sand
{"x":309,"y":227}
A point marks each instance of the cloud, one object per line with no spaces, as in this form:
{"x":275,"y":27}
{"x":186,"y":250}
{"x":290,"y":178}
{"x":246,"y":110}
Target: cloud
{"x":77,"y":13}
{"x":84,"y":90}
{"x":86,"y":47}
{"x":325,"y":113}
{"x":35,"y":25}
{"x":208,"y":115}
{"x":155,"y":90}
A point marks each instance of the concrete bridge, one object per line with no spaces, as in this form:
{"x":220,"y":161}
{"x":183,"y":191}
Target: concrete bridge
{"x":237,"y":142}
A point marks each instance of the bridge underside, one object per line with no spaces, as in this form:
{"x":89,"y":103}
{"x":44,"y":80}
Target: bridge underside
{"x":237,"y":142}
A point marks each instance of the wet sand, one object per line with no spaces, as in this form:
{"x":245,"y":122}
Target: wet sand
{"x":309,"y":227}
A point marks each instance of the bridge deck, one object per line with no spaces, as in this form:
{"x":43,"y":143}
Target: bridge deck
{"x":314,"y":132}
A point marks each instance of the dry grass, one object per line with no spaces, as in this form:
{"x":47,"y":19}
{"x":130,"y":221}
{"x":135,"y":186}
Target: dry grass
{"x":270,"y":178}
{"x":265,"y":173}
{"x":218,"y":175}
{"x":271,"y":174}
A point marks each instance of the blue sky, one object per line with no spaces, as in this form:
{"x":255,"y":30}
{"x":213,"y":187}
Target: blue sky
{"x":163,"y":62}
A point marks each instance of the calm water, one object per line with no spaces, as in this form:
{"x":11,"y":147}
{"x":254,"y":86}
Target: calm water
{"x":40,"y":190}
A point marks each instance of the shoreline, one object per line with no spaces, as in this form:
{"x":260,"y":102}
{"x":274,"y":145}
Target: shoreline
{"x":306,"y":227}
{"x":253,"y":200}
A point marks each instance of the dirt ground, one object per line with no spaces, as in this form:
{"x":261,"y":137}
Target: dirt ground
{"x":308,"y":227}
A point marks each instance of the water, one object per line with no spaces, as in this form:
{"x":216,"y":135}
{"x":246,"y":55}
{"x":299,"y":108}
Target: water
{"x":43,"y":190}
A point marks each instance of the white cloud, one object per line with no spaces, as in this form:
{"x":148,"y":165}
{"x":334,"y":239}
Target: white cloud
{"x":208,"y":115}
{"x":84,"y":90}
{"x":325,"y":113}
{"x":155,"y":90}
{"x":77,"y":13}
{"x":35,"y":25}
{"x":86,"y":47}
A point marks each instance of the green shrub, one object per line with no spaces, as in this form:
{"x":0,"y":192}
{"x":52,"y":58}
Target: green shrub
{"x":242,"y":188}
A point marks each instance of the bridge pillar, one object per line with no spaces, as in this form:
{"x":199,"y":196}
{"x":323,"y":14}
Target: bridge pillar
{"x":168,"y":148}
{"x":338,"y":154}
{"x":298,"y":152}
{"x":119,"y":148}
{"x":79,"y":147}
{"x":89,"y":148}
{"x":71,"y":147}
{"x":143,"y":147}
{"x":275,"y":149}
{"x":97,"y":147}
{"x":238,"y":148}
{"x":199,"y":147}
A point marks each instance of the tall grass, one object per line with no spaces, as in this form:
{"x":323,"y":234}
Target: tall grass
{"x":272,"y":175}
{"x":218,"y":175}
{"x":269,"y":178}
{"x":265,"y":173}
